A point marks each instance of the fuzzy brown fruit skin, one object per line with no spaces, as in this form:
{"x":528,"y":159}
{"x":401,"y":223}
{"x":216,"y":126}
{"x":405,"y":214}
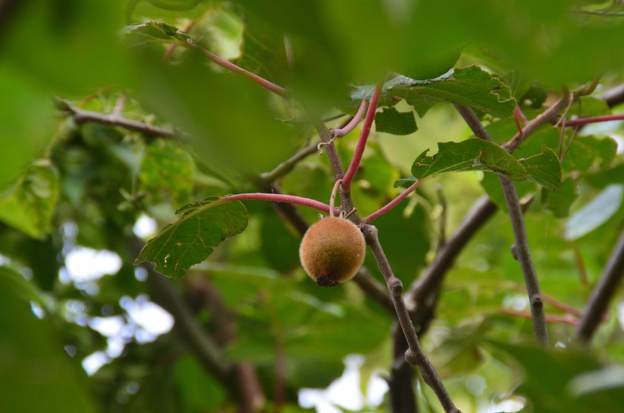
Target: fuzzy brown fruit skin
{"x":332,"y":251}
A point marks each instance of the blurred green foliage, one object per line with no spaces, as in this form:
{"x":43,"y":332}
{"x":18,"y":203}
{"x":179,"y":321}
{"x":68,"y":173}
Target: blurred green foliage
{"x":70,"y":186}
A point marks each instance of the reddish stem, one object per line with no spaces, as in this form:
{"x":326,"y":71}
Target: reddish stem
{"x":519,"y":118}
{"x":282,"y":198}
{"x":361,"y":145}
{"x":267,"y":84}
{"x":355,"y":120}
{"x":594,"y":119}
{"x":390,"y":205}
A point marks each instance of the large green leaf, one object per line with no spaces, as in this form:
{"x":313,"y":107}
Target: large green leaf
{"x":30,"y":204}
{"x":194,"y":236}
{"x":392,"y":121}
{"x":26,"y":122}
{"x":468,"y":155}
{"x":480,"y":155}
{"x":471,"y":86}
{"x":544,"y":168}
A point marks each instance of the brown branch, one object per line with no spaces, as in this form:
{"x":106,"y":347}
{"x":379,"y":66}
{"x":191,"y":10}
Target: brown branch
{"x":602,"y":294}
{"x":414,"y":355}
{"x":548,"y":116}
{"x":201,"y":344}
{"x":81,"y":116}
{"x":199,"y":291}
{"x":521,"y":246}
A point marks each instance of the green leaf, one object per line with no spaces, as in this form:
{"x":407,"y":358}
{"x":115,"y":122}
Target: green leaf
{"x":390,"y":120}
{"x":26,"y":123}
{"x":550,"y":380}
{"x":595,"y":213}
{"x":154,"y":31}
{"x":544,"y":168}
{"x":589,"y":151}
{"x":560,"y":200}
{"x":194,"y":236}
{"x":468,"y":155}
{"x":168,"y":167}
{"x":29,"y":206}
{"x":471,"y":87}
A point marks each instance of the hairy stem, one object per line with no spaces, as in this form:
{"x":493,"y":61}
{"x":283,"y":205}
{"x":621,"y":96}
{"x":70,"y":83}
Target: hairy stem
{"x":602,"y":294}
{"x":517,"y":221}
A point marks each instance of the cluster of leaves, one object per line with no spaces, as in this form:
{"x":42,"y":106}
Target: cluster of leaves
{"x":68,"y":184}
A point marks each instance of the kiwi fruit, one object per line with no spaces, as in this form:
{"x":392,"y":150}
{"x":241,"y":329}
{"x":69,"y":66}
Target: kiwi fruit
{"x":332,"y":251}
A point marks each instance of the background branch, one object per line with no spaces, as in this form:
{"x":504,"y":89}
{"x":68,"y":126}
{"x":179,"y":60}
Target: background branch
{"x":81,"y":116}
{"x":521,"y":246}
{"x":602,"y":294}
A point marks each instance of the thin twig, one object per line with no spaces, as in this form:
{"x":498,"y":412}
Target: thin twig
{"x":442,"y":220}
{"x":289,"y":199}
{"x":551,"y":300}
{"x":580,"y":264}
{"x":361,"y":145}
{"x":602,"y":294}
{"x":232,"y":67}
{"x":81,"y":116}
{"x":393,"y":203}
{"x":285,"y":167}
{"x":548,"y":116}
{"x":594,"y":119}
{"x":521,"y":246}
{"x":414,"y":355}
{"x":562,"y":319}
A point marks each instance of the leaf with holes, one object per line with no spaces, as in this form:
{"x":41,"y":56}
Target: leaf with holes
{"x":190,"y":240}
{"x":469,"y":155}
{"x":471,"y":86}
{"x":390,"y":120}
